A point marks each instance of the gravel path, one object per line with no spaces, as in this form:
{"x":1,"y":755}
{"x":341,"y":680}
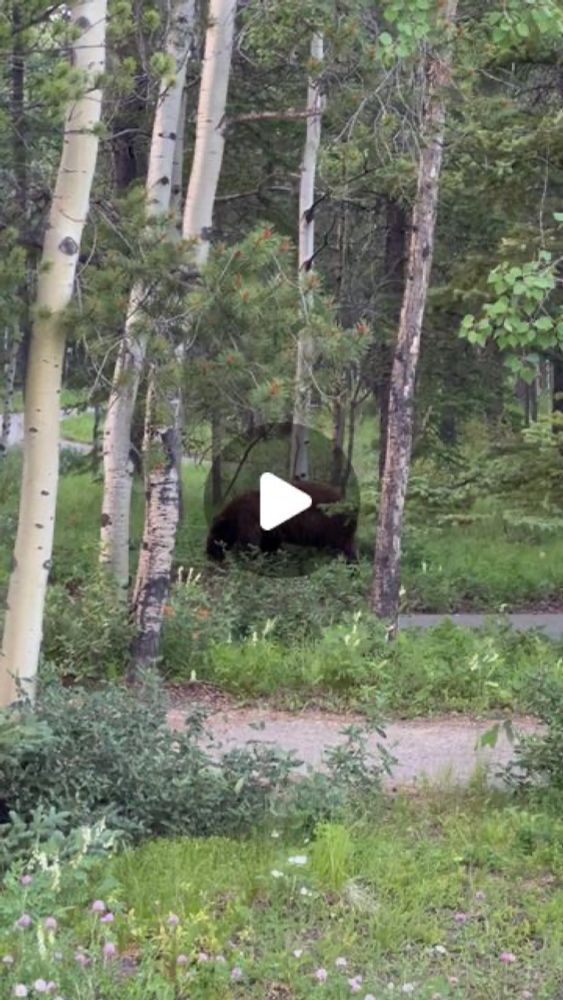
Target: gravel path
{"x":16,"y":433}
{"x":550,"y":622}
{"x":438,"y":750}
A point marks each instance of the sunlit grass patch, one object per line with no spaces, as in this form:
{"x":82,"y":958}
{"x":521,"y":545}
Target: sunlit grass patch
{"x":448,"y":893}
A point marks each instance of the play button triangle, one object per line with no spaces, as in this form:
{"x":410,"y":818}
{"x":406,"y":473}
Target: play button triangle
{"x":279,"y":501}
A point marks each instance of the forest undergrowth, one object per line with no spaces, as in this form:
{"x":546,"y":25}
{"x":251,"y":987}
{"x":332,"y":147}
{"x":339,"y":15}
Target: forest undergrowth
{"x":471,"y":543}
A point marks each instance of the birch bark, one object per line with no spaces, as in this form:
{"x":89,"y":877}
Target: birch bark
{"x":210,"y":138}
{"x":161,"y":451}
{"x":11,"y":345}
{"x":34,"y":539}
{"x":118,"y":471}
{"x":177,"y":193}
{"x":387,"y":558}
{"x":299,"y":454}
{"x":162,"y":437}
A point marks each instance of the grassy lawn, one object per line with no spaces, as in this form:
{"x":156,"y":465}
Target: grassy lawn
{"x":446,"y":895}
{"x":79,"y":427}
{"x":78,"y":519}
{"x":436,"y":895}
{"x":480,"y":567}
{"x":69,"y":397}
{"x":447,"y":569}
{"x":311,"y":641}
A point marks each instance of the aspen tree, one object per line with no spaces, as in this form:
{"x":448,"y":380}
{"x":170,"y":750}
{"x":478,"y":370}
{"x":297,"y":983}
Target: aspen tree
{"x":162,"y":446}
{"x":21,"y":642}
{"x":118,"y":473}
{"x":299,"y":457}
{"x":387,"y":558}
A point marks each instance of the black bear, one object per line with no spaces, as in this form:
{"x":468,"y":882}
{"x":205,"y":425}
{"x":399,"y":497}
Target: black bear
{"x":238,"y":525}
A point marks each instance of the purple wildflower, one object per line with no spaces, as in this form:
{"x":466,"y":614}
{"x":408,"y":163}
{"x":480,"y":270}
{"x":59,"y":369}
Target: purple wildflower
{"x":24,"y":921}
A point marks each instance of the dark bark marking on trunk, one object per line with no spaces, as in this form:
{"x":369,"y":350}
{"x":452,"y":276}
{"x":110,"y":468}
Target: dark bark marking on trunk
{"x":387,"y":556}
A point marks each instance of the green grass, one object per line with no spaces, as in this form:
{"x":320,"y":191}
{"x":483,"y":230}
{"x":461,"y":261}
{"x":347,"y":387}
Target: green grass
{"x":69,"y":397}
{"x":79,"y":427}
{"x":480,"y":567}
{"x":78,"y":519}
{"x":429,"y":892}
{"x":446,"y":893}
{"x":439,"y":670}
{"x":298,"y":643}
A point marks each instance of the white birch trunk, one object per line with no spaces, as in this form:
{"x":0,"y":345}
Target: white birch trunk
{"x":34,"y":539}
{"x":162,"y":454}
{"x":299,"y":456}
{"x":387,"y":559}
{"x":12,"y":343}
{"x":162,"y":439}
{"x":118,"y":471}
{"x":210,"y":139}
{"x":176,"y":194}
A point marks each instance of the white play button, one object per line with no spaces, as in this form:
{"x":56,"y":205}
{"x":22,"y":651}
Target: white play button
{"x":279,"y":501}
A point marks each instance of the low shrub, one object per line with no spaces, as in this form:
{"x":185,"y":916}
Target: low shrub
{"x":236,"y":604}
{"x":444,"y":668}
{"x":108,"y":756}
{"x":87,"y":631}
{"x":538,"y":757}
{"x":437,"y":895}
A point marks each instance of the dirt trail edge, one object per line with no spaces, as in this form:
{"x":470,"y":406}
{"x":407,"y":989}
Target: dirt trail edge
{"x":436,"y":750}
{"x":548,"y":622}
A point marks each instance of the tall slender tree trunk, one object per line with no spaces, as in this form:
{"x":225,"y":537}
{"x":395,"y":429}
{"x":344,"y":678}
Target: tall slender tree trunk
{"x":21,"y":177}
{"x":216,"y":449}
{"x":177,"y":192}
{"x":162,"y":499}
{"x":69,"y":209}
{"x":11,"y":349}
{"x":210,"y":137}
{"x":118,"y":470}
{"x":351,"y":439}
{"x":338,"y":433}
{"x":299,"y":452}
{"x":533,"y":401}
{"x":523,"y":399}
{"x":162,"y":514}
{"x":395,"y":253}
{"x":387,"y":559}
{"x":557,"y":394}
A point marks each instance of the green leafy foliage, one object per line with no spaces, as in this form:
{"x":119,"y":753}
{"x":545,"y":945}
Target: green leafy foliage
{"x":260,"y":916}
{"x":518,"y":319}
{"x":538,"y":758}
{"x":86,"y":627}
{"x":109,"y":757}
